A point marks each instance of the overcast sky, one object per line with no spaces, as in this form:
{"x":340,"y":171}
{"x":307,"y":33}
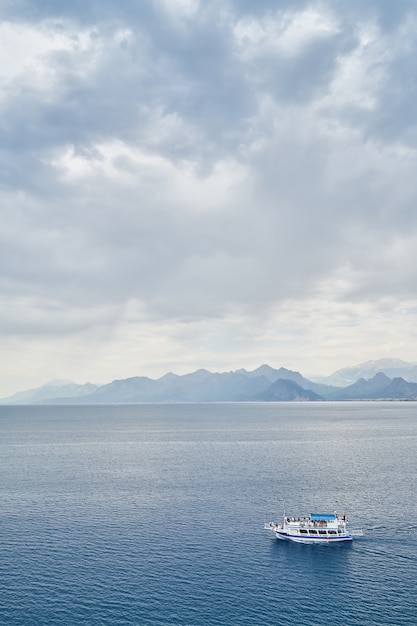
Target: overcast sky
{"x":217,"y":183}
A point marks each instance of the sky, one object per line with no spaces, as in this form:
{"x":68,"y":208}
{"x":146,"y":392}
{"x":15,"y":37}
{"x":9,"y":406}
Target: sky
{"x":212,"y":184}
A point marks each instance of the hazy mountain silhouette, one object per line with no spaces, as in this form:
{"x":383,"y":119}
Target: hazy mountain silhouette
{"x":262,"y":384}
{"x":379,"y":387}
{"x":393,"y":368}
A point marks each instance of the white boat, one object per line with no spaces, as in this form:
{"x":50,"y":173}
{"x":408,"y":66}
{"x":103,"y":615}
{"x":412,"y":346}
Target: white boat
{"x":315,"y":528}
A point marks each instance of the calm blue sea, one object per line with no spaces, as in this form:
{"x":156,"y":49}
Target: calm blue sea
{"x":153,"y":514}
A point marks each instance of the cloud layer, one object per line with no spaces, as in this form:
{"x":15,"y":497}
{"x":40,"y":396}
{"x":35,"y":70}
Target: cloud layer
{"x":187,"y":184}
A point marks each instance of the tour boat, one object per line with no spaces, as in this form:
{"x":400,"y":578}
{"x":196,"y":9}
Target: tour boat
{"x":316,"y":528}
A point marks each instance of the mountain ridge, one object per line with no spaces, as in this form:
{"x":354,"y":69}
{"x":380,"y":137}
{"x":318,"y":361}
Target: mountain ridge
{"x":393,"y":368}
{"x":261,"y":384}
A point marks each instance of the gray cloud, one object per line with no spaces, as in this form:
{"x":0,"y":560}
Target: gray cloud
{"x":204,"y":162}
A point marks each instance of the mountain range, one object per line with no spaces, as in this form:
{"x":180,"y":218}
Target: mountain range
{"x":264,"y":384}
{"x":393,"y":368}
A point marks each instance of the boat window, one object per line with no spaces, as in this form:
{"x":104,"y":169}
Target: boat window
{"x":303,"y":531}
{"x":322,"y":532}
{"x":313,"y":532}
{"x":332,"y":532}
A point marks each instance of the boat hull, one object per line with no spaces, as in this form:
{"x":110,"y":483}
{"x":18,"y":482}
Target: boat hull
{"x":311,"y":539}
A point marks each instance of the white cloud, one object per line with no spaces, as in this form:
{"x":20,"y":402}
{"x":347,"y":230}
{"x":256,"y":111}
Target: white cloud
{"x":183,"y":8}
{"x":360,"y":73}
{"x":29,"y":56}
{"x":23,"y":47}
{"x":122,"y":164}
{"x":285,"y":33}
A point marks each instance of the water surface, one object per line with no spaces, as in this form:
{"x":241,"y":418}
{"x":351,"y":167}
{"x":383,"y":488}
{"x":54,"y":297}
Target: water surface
{"x":153,"y":514}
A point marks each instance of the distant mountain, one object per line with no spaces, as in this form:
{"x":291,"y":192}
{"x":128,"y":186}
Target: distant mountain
{"x":262,"y":384}
{"x":284,"y":374}
{"x":200,"y":386}
{"x":54,"y":389}
{"x":287,"y":391}
{"x":399,"y":389}
{"x":393,"y":368}
{"x":273,"y":374}
{"x":379,"y":387}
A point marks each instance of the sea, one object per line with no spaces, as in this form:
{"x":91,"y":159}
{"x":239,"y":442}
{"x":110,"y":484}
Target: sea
{"x":153,"y":514}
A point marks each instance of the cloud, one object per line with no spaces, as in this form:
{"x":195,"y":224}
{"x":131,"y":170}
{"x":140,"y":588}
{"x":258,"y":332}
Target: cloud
{"x":202,"y":169}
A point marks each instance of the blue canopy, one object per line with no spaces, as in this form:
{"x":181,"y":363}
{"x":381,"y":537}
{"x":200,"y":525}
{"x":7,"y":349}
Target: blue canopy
{"x":323,"y":517}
